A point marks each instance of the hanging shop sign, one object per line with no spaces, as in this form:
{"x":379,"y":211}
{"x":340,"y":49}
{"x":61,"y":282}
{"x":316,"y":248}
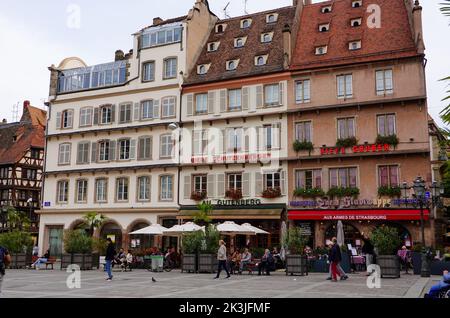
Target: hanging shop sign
{"x":239,"y":158}
{"x":349,"y":202}
{"x":326,"y":151}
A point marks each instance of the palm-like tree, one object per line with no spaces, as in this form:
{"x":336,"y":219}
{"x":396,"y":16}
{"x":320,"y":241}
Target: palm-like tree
{"x":93,"y":221}
{"x":203,"y":213}
{"x":445,"y":114}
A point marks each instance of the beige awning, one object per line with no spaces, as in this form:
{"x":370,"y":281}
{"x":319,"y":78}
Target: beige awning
{"x":239,"y":214}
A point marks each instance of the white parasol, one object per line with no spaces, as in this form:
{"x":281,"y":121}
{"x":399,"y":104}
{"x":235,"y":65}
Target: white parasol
{"x":185,"y":228}
{"x":254,"y":228}
{"x":340,"y":234}
{"x":154,"y":229}
{"x":231,"y":228}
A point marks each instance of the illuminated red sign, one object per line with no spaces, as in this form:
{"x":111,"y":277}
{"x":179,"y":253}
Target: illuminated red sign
{"x":355,"y":149}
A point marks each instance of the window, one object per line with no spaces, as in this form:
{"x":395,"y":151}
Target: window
{"x":83,"y":153}
{"x":63,"y":191}
{"x":272,"y":95}
{"x":268,"y":137}
{"x":213,"y":46}
{"x":106,"y":115}
{"x":321,"y":50}
{"x":201,"y":70}
{"x":324,"y":27}
{"x":5,"y":195}
{"x":170,"y":68}
{"x":82,"y":188}
{"x":144,"y":189}
{"x":354,"y":45}
{"x":343,"y":177}
{"x":235,"y":99}
{"x":201,"y":103}
{"x":356,"y":4}
{"x":220,"y":28}
{"x":345,"y":86}
{"x":145,"y":148}
{"x":272,"y":180}
{"x":234,"y":139}
{"x":326,"y":9}
{"x":147,"y":109}
{"x":346,"y":128}
{"x":234,"y":181}
{"x":122,"y":189}
{"x":67,"y":119}
{"x":246,"y":23}
{"x":35,"y":154}
{"x":271,"y":18}
{"x":86,"y":116}
{"x":303,"y":131}
{"x":260,"y":61}
{"x":239,"y":42}
{"x":200,"y":183}
{"x":266,"y":37}
{"x":388,"y":176}
{"x":163,"y":36}
{"x":124,"y":149}
{"x":232,"y":65}
{"x":166,"y":146}
{"x":148,"y":72}
{"x":168,"y":107}
{"x":308,"y":179}
{"x":64,"y":154}
{"x":125,"y":113}
{"x":356,"y":22}
{"x":166,"y":188}
{"x":386,"y":125}
{"x":302,"y":91}
{"x":4,"y":173}
{"x":104,"y":150}
{"x":101,"y":190}
{"x":29,"y":174}
{"x":384,"y":83}
{"x":200,"y":142}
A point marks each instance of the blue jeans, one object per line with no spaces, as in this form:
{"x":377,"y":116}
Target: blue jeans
{"x":108,"y":268}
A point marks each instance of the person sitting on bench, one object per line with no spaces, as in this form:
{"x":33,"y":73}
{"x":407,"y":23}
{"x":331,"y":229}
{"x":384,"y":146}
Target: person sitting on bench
{"x":246,"y":259}
{"x":41,"y":260}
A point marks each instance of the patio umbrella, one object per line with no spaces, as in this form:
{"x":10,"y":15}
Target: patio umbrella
{"x":283,"y":238}
{"x":340,"y":233}
{"x":231,"y":228}
{"x":154,"y":229}
{"x":185,"y":228}
{"x":254,"y":228}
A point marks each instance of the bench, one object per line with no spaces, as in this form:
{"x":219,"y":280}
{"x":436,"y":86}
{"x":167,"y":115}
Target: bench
{"x":250,"y":267}
{"x":50,"y":262}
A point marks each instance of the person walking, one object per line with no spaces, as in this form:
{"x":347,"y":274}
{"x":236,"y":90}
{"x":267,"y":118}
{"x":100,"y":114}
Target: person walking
{"x":110,"y":255}
{"x":5,"y":260}
{"x":368,"y":251}
{"x":222,"y":258}
{"x":339,"y":268}
{"x":335,"y":258}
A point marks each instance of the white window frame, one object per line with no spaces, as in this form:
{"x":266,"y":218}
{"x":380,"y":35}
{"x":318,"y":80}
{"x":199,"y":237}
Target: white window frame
{"x":147,"y":109}
{"x":347,"y":133}
{"x":273,"y":181}
{"x":62,"y":195}
{"x":314,"y":174}
{"x":101,"y":190}
{"x":82,"y":192}
{"x":235,"y":99}
{"x":166,"y":146}
{"x":272,"y":95}
{"x":203,"y":183}
{"x":301,"y":129}
{"x":346,"y":81}
{"x":64,"y":154}
{"x":125,"y":113}
{"x":106,"y":115}
{"x":201,"y":100}
{"x":384,"y":82}
{"x":170,"y":68}
{"x":103,"y":151}
{"x":303,"y":91}
{"x":122,"y":189}
{"x":146,"y":75}
{"x":143,"y":189}
{"x":86,"y":116}
{"x":233,"y":178}
{"x":168,"y":106}
{"x":166,"y":188}
{"x":124,"y":149}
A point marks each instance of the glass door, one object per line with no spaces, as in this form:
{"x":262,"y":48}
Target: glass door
{"x":55,"y":241}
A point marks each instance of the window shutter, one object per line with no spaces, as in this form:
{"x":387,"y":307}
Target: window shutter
{"x":156,"y":108}
{"x":112,"y":150}
{"x":211,"y":102}
{"x":246,"y":184}
{"x":258,"y":184}
{"x":141,"y":148}
{"x":94,"y":152}
{"x":247,"y":141}
{"x":221,"y":185}
{"x":260,"y":138}
{"x":276,"y":136}
{"x":79,"y":154}
{"x":245,"y":98}
{"x":190,"y":104}
{"x":69,"y":118}
{"x":223,"y":100}
{"x":187,"y":187}
{"x":149,"y":148}
{"x":211,"y":185}
{"x":137,"y":111}
{"x":281,"y":92}
{"x":113,"y":113}
{"x":283,"y":182}
{"x":96,"y":115}
{"x":259,"y":96}
{"x":133,"y":149}
{"x":58,"y":120}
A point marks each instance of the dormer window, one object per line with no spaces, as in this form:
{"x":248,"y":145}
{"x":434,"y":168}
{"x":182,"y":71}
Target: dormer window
{"x":220,"y":28}
{"x":272,"y":18}
{"x":266,"y":37}
{"x":324,"y":27}
{"x":245,"y":24}
{"x":232,"y":65}
{"x":213,"y":46}
{"x":354,"y":45}
{"x":356,"y":22}
{"x":202,"y":70}
{"x":321,"y":50}
{"x":239,"y":42}
{"x":357,"y":4}
{"x":261,"y":60}
{"x":326,"y":9}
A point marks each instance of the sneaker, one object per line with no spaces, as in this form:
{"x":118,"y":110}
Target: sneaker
{"x":216,"y":277}
{"x":328,"y":278}
{"x":334,"y":280}
{"x":109,"y":279}
{"x":228,"y":277}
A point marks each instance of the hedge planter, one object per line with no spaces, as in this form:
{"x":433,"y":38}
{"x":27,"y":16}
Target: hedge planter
{"x":417,"y":262}
{"x":84,"y":261}
{"x":20,"y":260}
{"x":436,"y":267}
{"x":207,"y":263}
{"x":389,"y":265}
{"x":346,"y":262}
{"x":189,"y":263}
{"x":321,"y":266}
{"x":296,"y":264}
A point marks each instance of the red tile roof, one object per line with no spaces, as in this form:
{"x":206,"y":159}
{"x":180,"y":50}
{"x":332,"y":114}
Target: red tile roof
{"x":393,"y":40}
{"x":246,"y":54}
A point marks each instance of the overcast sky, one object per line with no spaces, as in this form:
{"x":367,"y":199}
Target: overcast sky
{"x":37,"y":34}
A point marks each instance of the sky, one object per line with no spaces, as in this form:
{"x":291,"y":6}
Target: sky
{"x":37,"y":34}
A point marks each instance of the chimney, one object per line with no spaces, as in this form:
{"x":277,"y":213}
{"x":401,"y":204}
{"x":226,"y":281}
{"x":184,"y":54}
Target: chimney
{"x":119,"y":55}
{"x":157,"y":20}
{"x":418,"y":31}
{"x":287,"y":46}
{"x":26,"y":104}
{"x":4,"y":122}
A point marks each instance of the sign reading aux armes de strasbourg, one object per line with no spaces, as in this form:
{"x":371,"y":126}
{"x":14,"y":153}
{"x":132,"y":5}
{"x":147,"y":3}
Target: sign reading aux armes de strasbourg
{"x":355,"y":149}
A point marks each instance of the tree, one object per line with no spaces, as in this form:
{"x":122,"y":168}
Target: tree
{"x":202,"y":217}
{"x":445,"y":114}
{"x":17,"y":220}
{"x":93,"y":221}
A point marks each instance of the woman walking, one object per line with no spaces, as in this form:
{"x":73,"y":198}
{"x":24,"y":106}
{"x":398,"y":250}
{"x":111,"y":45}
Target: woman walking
{"x":222,"y":258}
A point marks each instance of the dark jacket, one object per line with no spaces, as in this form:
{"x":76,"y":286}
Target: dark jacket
{"x":335,"y":254}
{"x":367,"y":248}
{"x":110,"y":252}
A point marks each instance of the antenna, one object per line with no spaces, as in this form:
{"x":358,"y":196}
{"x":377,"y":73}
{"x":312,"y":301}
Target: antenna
{"x":245,"y":7}
{"x":225,"y":13}
{"x":15,"y":113}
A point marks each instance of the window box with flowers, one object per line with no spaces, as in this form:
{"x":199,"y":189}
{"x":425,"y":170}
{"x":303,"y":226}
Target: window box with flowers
{"x":271,"y":193}
{"x":347,"y":142}
{"x":235,"y":194}
{"x":309,"y":192}
{"x":388,"y":191}
{"x":390,"y":140}
{"x":341,"y":192}
{"x":198,"y":196}
{"x":303,"y":146}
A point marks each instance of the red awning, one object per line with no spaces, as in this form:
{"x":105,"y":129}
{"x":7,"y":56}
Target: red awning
{"x":359,"y":215}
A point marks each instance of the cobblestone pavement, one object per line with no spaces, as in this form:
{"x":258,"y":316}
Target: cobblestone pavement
{"x":52,"y":284}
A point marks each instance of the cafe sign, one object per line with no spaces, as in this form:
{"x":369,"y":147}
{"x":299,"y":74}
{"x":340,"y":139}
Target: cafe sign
{"x":349,"y":202}
{"x":326,"y":151}
{"x":227,"y":158}
{"x":243,"y":202}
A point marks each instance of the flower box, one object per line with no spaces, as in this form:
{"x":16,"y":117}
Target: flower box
{"x":392,"y":192}
{"x":271,"y":193}
{"x":309,"y":193}
{"x":235,"y":194}
{"x":198,"y":196}
{"x":347,"y":142}
{"x":303,"y":146}
{"x":390,"y":140}
{"x":343,"y":192}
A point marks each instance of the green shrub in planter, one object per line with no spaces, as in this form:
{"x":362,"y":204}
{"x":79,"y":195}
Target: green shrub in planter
{"x":192,"y":242}
{"x":390,"y":140}
{"x":16,"y":241}
{"x":340,"y":192}
{"x":303,"y":145}
{"x":393,"y":192}
{"x":295,"y":241}
{"x":77,"y":242}
{"x":309,"y":193}
{"x":347,"y":142}
{"x":386,"y":240}
{"x":212,"y":238}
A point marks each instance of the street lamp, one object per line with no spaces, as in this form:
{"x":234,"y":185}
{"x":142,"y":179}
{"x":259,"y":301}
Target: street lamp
{"x":30,"y":204}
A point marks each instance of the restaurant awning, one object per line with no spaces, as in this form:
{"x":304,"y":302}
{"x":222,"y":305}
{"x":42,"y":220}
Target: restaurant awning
{"x":236,"y":214}
{"x":358,"y":215}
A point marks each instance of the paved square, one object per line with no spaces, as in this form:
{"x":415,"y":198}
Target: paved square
{"x":50,"y":284}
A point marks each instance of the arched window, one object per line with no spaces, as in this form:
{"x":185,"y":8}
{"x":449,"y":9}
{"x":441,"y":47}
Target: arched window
{"x":220,"y":29}
{"x":231,"y":65}
{"x":260,"y":60}
{"x":271,"y":18}
{"x":202,"y":70}
{"x":239,"y":42}
{"x":267,"y":38}
{"x":245,"y":24}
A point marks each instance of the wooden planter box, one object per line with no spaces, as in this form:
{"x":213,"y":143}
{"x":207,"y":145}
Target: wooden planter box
{"x":416,"y":262}
{"x":84,"y":261}
{"x":389,"y":265}
{"x":296,"y":264}
{"x":96,"y":260}
{"x":436,"y":267}
{"x":320,"y":266}
{"x":189,"y":263}
{"x":20,"y":260}
{"x":207,"y":263}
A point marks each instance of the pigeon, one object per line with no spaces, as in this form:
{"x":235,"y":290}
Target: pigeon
{"x":153,"y":280}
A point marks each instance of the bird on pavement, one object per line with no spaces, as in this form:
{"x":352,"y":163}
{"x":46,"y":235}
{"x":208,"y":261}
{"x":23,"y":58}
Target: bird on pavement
{"x":153,"y":280}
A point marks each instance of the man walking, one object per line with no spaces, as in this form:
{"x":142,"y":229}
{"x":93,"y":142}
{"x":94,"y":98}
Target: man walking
{"x":222,"y":258}
{"x":110,"y":254}
{"x":335,"y":258}
{"x":339,"y":268}
{"x":5,"y":259}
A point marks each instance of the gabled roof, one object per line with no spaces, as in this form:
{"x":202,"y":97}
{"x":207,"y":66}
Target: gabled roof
{"x":392,"y":40}
{"x":253,"y":47}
